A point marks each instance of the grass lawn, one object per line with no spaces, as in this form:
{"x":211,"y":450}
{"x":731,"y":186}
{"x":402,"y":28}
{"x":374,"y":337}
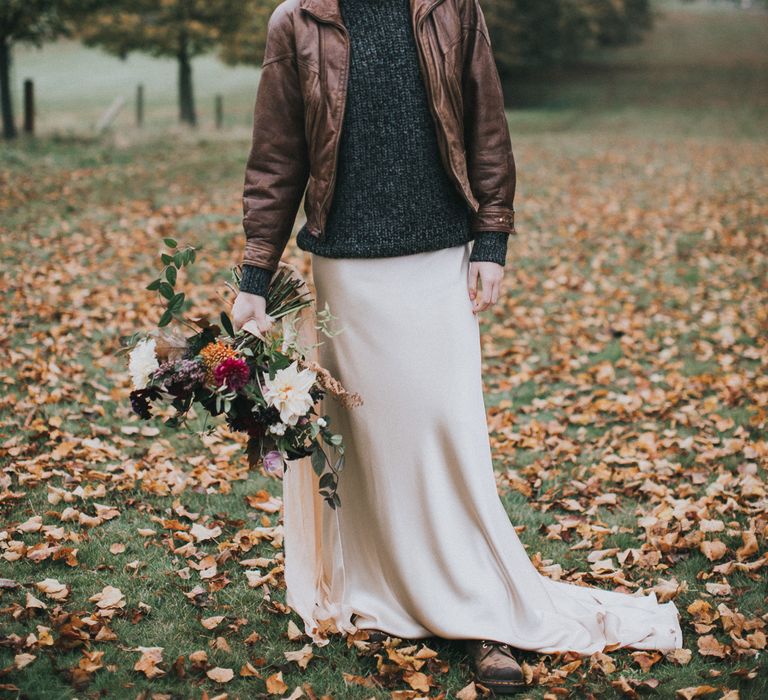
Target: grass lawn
{"x":625,"y":369}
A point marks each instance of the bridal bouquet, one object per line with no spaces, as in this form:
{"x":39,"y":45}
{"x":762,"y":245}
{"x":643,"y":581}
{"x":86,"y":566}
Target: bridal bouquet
{"x":264,"y":385}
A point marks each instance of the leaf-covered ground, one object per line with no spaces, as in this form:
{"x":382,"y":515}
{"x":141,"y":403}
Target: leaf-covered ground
{"x":627,"y":397}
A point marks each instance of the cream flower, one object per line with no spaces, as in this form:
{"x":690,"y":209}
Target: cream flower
{"x":288,"y":392}
{"x":142,"y":362}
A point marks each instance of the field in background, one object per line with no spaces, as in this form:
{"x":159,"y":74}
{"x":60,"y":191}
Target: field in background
{"x":703,"y":71}
{"x":625,"y":370}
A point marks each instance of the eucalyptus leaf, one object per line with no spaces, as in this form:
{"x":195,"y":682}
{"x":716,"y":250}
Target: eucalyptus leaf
{"x":327,"y":481}
{"x":166,"y":318}
{"x":318,"y":461}
{"x":166,"y":290}
{"x":176,"y":302}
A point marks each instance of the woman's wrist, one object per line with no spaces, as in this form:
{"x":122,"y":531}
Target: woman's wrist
{"x":490,"y":246}
{"x":255,"y":280}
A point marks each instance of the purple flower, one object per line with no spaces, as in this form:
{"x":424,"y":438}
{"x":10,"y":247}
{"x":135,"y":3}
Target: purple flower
{"x":234,"y":372}
{"x":273,"y":463}
{"x":179,"y":377}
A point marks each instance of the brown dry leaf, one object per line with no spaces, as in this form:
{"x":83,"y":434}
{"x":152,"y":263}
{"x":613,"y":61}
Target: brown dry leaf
{"x":262,"y":500}
{"x":32,"y":602}
{"x":202,"y":533}
{"x":294,"y":632}
{"x":109,"y":597}
{"x":199,"y":658}
{"x":468,"y":692}
{"x":645,"y":660}
{"x":680,"y":657}
{"x":668,"y":589}
{"x":351,"y":679}
{"x":695,"y":692}
{"x":34,"y":524}
{"x":418,"y":680}
{"x":22,"y":660}
{"x":212,"y":622}
{"x":302,"y":656}
{"x":749,"y":547}
{"x":602,"y":662}
{"x":148,"y":663}
{"x":709,"y":646}
{"x":757,"y":639}
{"x":220,"y":675}
{"x":53,"y":588}
{"x":275,"y":684}
{"x":713,"y":550}
{"x":248,"y":671}
{"x":92,"y":661}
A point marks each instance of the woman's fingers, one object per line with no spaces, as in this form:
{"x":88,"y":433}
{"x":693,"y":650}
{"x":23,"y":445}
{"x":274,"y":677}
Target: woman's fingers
{"x":472,"y":280}
{"x":496,"y":292}
{"x":490,"y":285}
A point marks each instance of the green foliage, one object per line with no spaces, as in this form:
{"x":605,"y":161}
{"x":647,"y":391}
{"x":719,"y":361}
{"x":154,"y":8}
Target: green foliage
{"x":525,"y":33}
{"x":164,"y":284}
{"x":181,"y":29}
{"x":532,"y":33}
{"x":162,"y":27}
{"x":246,"y":43}
{"x":38,"y":21}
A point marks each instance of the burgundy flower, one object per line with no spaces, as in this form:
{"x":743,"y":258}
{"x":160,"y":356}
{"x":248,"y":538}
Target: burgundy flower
{"x":234,"y":372}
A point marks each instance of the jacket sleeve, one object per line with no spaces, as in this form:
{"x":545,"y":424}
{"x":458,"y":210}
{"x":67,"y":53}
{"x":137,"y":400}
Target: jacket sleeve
{"x":277,"y":169}
{"x":490,"y":163}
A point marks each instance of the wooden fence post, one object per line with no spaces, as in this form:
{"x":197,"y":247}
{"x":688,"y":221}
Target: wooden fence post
{"x":219,"y":111}
{"x":29,"y":107}
{"x":140,"y":106}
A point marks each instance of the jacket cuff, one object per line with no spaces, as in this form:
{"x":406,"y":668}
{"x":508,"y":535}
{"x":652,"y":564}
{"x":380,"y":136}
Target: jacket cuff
{"x":494,"y":219}
{"x":490,"y":246}
{"x":255,"y":280}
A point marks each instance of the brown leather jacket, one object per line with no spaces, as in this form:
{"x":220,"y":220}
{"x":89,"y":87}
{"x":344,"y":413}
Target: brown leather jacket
{"x":300,"y":106}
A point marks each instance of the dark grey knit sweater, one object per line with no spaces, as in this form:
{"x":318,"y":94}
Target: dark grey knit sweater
{"x":392,"y":194}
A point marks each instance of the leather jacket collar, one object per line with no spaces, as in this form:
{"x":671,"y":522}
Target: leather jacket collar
{"x":328,"y":10}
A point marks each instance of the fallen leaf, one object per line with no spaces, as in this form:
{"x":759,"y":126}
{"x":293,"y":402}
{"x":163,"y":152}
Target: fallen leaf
{"x":220,"y":675}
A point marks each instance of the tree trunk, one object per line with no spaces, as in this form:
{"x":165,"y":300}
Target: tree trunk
{"x":6,"y":104}
{"x":186,"y":95}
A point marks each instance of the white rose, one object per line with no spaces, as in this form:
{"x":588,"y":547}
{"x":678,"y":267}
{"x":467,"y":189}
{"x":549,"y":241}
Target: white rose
{"x":142,"y":362}
{"x":322,"y":422}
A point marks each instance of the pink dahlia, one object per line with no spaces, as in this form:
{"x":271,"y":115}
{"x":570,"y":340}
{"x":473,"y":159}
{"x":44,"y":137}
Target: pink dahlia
{"x":234,"y":372}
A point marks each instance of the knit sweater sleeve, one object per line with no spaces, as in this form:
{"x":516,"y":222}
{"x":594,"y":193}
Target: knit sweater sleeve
{"x":255,"y":280}
{"x":490,"y":246}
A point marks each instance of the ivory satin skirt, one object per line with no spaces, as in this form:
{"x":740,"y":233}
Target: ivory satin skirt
{"x":422,"y":544}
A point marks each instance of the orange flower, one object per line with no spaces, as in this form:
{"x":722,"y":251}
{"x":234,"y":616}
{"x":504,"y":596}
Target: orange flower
{"x":213,"y":355}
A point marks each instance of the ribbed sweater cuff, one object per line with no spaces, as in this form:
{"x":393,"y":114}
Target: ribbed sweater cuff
{"x":255,"y":280}
{"x":490,"y":246}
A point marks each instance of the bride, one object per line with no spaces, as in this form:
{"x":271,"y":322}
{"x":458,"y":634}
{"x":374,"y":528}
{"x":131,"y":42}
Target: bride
{"x":387,"y":118}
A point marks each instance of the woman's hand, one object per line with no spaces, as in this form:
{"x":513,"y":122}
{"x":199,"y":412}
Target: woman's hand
{"x":250,"y":307}
{"x":490,"y":275}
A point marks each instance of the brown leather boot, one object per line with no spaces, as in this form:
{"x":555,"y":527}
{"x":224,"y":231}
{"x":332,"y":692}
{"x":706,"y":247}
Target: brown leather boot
{"x":375,"y":635}
{"x":495,"y":666}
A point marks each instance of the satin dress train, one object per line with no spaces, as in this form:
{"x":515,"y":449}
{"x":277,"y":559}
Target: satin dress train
{"x":422,"y":544}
